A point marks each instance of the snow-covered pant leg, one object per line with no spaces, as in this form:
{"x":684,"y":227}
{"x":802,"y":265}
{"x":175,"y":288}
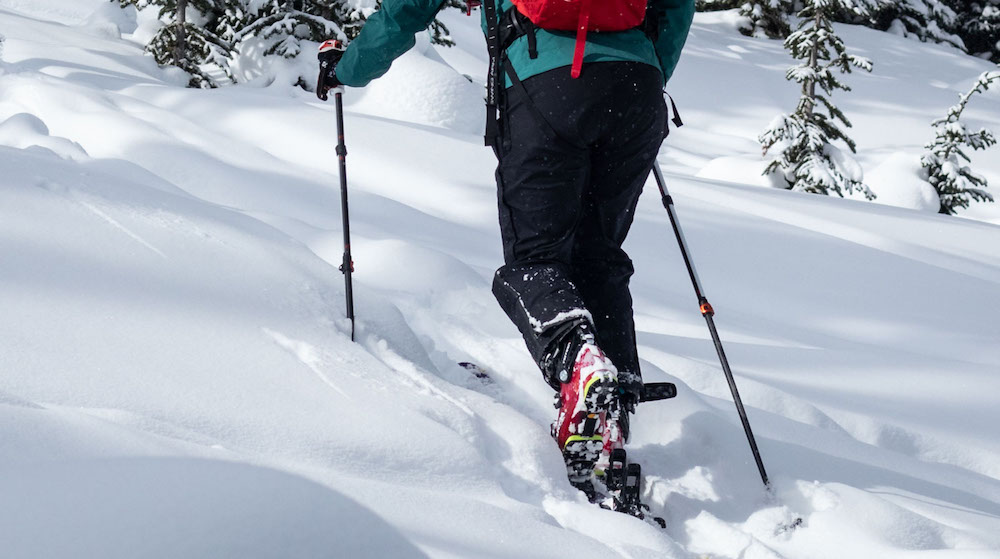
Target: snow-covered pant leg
{"x":567,"y":200}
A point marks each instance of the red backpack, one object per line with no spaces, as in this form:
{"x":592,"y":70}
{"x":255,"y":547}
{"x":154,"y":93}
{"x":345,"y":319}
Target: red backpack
{"x":582,"y":16}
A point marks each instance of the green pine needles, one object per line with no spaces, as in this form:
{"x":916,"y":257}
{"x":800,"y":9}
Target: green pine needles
{"x":186,"y":45}
{"x":766,"y":16}
{"x":758,"y":17}
{"x":807,"y":158}
{"x":943,"y":165}
{"x":977,"y":22}
{"x":205,"y":37}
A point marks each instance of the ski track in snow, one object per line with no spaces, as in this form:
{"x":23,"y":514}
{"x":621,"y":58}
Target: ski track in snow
{"x":176,"y":381}
{"x":308,"y":355}
{"x":111,"y":221}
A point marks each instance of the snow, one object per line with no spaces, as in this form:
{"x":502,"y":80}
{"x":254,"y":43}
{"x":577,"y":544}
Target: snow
{"x":897,"y":182}
{"x":189,"y":508}
{"x":424,"y":89}
{"x":177,"y":379}
{"x":745,"y":170}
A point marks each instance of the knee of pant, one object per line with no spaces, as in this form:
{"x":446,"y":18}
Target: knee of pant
{"x":602,"y":269}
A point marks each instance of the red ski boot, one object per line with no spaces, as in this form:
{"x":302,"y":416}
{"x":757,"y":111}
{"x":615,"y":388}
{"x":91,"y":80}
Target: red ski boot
{"x":583,"y":406}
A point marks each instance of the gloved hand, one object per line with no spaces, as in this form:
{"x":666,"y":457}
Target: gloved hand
{"x":329,"y":56}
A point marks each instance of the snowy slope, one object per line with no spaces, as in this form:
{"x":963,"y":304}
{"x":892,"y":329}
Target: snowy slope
{"x":176,"y":377}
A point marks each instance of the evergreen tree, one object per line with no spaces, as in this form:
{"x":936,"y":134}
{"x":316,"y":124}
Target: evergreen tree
{"x":440,"y":35}
{"x":956,"y":22}
{"x":716,"y":5}
{"x":285,"y":23}
{"x":769,"y":17}
{"x":808,"y":159}
{"x":943,"y":165}
{"x":203,"y":37}
{"x":971,"y":25}
{"x":188,"y":40}
{"x":928,"y":20}
{"x":978,"y":23}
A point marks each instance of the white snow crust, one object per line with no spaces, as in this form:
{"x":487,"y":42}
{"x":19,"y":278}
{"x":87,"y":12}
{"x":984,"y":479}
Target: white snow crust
{"x":177,"y":378}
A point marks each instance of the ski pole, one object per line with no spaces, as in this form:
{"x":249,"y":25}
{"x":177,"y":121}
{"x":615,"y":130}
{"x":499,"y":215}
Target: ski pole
{"x":708,"y":312}
{"x":330,"y":53}
{"x":347,"y":265}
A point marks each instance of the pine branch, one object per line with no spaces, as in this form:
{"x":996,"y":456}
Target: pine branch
{"x":955,"y":183}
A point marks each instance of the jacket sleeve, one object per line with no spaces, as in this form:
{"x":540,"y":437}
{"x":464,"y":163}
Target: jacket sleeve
{"x":386,"y":35}
{"x":675,"y":17}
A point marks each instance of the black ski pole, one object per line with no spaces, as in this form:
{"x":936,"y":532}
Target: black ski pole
{"x":347,"y":265}
{"x":708,"y":312}
{"x":330,"y":53}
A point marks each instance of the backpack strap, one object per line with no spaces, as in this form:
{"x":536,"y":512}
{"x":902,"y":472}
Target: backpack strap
{"x":518,"y":24}
{"x":676,"y":119}
{"x":677,"y":115}
{"x":493,"y":80}
{"x":651,"y":23}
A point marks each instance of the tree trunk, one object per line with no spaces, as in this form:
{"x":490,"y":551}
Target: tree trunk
{"x":180,"y":48}
{"x":809,"y":87}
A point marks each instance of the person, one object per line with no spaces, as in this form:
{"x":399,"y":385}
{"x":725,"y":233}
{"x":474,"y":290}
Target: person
{"x":575,"y":141}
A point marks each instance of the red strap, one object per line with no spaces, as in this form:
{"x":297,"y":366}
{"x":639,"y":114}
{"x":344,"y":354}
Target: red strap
{"x":581,"y":38}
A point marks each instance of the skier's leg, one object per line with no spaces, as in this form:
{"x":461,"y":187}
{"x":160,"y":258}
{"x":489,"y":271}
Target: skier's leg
{"x":544,"y":178}
{"x":540,"y":181}
{"x":620,"y":164}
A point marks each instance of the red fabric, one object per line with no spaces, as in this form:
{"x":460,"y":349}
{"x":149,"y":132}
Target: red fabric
{"x":564,"y":15}
{"x":583,"y":16}
{"x":581,"y":38}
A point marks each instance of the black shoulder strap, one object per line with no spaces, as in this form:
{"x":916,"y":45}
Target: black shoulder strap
{"x":493,"y":82}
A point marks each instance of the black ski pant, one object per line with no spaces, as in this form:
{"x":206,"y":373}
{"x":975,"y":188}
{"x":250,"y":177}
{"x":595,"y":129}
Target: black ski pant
{"x":573,"y":158}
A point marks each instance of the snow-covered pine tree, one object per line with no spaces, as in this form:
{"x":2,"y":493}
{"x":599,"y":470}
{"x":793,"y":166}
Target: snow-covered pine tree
{"x":766,"y":17}
{"x":440,"y":35}
{"x":808,"y":159}
{"x":978,"y":23}
{"x":769,"y":17}
{"x":716,"y":5}
{"x":283,"y":24}
{"x":188,"y":39}
{"x":928,"y":20}
{"x":944,"y":165}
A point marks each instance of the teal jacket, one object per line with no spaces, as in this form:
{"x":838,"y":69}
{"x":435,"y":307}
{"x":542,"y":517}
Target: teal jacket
{"x":390,"y":32}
